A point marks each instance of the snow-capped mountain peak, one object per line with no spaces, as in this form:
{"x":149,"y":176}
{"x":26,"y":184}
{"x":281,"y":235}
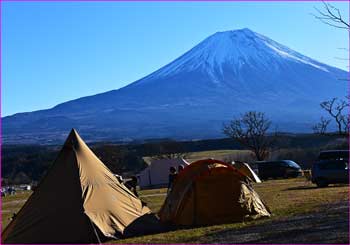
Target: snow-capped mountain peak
{"x":227,"y":74}
{"x":235,"y":48}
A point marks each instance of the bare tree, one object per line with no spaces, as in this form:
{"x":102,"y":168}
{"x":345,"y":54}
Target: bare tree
{"x":346,"y":123}
{"x":331,"y":16}
{"x":321,"y":127}
{"x":251,"y":131}
{"x":335,"y":108}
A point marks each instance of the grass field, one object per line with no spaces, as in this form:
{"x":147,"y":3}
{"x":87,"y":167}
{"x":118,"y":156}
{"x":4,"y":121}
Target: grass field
{"x":11,"y":204}
{"x":239,"y":155}
{"x":287,"y":198}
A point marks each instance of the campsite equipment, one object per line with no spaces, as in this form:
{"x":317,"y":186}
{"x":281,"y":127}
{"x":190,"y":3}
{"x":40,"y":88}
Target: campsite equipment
{"x":211,"y":192}
{"x":307,"y":174}
{"x":157,"y":173}
{"x":78,"y":201}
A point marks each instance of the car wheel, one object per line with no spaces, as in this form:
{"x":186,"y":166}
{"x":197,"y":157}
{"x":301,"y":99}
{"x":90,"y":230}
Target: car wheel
{"x":321,"y":183}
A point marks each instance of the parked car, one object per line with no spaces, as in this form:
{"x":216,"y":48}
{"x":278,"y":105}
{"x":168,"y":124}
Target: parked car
{"x":331,"y":167}
{"x":278,"y":169}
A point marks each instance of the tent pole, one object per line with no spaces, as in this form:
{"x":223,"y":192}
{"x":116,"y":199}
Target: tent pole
{"x":194,"y":203}
{"x":93,"y":227}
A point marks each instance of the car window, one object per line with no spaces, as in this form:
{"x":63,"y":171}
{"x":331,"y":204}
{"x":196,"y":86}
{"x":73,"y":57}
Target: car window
{"x":281,"y":164}
{"x":292,"y":164}
{"x":333,"y":165}
{"x":268,"y":165}
{"x":265,"y":165}
{"x":334,"y":155}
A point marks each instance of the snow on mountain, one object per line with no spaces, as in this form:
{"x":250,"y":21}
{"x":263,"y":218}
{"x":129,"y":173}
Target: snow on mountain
{"x":236,"y":48}
{"x":226,"y":74}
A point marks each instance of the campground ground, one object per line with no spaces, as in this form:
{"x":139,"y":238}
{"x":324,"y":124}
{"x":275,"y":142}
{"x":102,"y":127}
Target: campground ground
{"x":301,"y":213}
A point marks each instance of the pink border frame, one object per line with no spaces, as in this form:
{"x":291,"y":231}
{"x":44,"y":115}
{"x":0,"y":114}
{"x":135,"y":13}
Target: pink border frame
{"x":154,"y":1}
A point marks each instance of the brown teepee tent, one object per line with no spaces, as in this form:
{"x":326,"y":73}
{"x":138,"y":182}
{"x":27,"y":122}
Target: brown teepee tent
{"x":211,"y":192}
{"x":78,"y":201}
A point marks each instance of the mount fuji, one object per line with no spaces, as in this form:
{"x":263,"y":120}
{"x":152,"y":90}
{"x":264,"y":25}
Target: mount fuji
{"x":226,"y":74}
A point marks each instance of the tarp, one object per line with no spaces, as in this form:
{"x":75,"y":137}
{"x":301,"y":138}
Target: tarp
{"x":211,"y":192}
{"x":157,"y":173}
{"x":78,"y":200}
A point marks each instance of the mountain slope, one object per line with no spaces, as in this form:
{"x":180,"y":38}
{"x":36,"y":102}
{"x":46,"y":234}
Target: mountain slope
{"x":226,"y":74}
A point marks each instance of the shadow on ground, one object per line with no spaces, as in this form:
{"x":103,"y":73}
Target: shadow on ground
{"x":328,"y":225}
{"x":146,"y":225}
{"x":331,"y":225}
{"x":303,"y":187}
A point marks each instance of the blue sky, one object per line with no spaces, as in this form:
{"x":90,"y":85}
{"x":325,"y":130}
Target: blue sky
{"x":58,"y":51}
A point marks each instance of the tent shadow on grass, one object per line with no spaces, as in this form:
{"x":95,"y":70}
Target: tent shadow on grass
{"x":308,"y":228}
{"x":300,"y":188}
{"x":146,"y":225}
{"x":312,"y":187}
{"x":150,"y":224}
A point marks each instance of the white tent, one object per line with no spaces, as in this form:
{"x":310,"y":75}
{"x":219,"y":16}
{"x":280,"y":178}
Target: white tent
{"x":157,"y":173}
{"x":246,"y":170}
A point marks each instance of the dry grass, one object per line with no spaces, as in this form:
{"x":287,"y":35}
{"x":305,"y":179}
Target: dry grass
{"x":229,"y":155}
{"x":286,"y":198}
{"x":239,"y":155}
{"x":12,"y":204}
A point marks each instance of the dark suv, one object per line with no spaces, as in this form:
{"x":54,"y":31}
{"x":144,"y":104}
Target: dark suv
{"x":278,"y":169}
{"x":331,"y":168}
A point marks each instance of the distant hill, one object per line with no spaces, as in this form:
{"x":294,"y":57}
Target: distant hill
{"x":25,"y":163}
{"x":226,"y":74}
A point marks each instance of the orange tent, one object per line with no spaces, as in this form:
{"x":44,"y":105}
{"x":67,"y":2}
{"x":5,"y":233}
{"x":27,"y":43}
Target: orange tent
{"x":211,"y":192}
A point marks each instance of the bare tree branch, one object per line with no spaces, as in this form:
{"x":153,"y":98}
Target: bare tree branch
{"x":335,"y":108}
{"x":250,"y":130}
{"x":321,"y":127}
{"x":331,"y":16}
